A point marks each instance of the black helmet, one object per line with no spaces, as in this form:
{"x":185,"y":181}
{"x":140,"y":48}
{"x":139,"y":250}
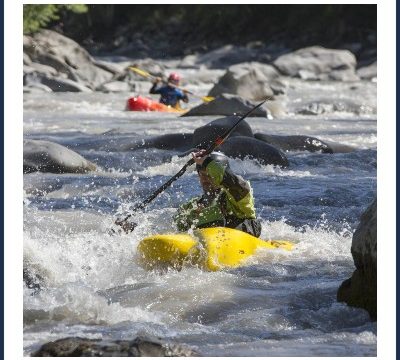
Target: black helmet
{"x":218,"y":157}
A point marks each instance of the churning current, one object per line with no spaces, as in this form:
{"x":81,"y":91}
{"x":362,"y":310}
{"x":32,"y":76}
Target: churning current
{"x":278,"y":303}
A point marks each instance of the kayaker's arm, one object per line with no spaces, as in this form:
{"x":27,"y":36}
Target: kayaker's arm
{"x":155,"y":89}
{"x":184,"y":97}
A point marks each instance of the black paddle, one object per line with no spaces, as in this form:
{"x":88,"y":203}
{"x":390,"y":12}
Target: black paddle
{"x":130,"y":226}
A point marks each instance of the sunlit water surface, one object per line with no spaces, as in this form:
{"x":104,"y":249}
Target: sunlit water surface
{"x":278,"y":304}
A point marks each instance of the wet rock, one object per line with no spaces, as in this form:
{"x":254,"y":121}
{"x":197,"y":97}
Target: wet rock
{"x":246,"y":147}
{"x":340,"y":148}
{"x":249,"y":80}
{"x":226,"y":104}
{"x":111,"y":67}
{"x":205,"y":135}
{"x":165,"y":142}
{"x":66,"y":56}
{"x":295,"y":143}
{"x":46,"y":156}
{"x":60,"y":85}
{"x":40,"y":68}
{"x":360,"y":290}
{"x":36,"y":88}
{"x":151,"y":66}
{"x":27,"y":59}
{"x":318,"y":63}
{"x":368,"y":72}
{"x":139,"y":347}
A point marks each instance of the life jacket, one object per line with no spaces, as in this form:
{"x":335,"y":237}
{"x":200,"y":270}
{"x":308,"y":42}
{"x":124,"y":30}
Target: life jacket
{"x":230,"y":206}
{"x":169,"y":95}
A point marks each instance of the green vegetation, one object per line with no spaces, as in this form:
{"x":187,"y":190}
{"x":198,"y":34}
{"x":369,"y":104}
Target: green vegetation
{"x":39,"y":16}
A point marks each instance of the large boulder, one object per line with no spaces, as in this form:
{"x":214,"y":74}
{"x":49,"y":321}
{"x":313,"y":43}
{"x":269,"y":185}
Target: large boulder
{"x":46,"y":156}
{"x":40,"y":69}
{"x":295,"y":142}
{"x":360,"y":289}
{"x":226,"y":104}
{"x":246,"y":147}
{"x":252,"y":80}
{"x":368,"y":72}
{"x":138,"y":347}
{"x":56,"y":84}
{"x":174,"y":141}
{"x":318,"y":63}
{"x":66,"y":56}
{"x":205,"y":135}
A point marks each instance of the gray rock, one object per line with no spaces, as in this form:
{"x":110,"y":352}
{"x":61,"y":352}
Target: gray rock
{"x":339,"y":148}
{"x":205,"y":135}
{"x":108,"y":66}
{"x":59,"y":84}
{"x":40,"y":69}
{"x":65,"y":55}
{"x":139,"y":347}
{"x":249,"y":80}
{"x":361,"y":289}
{"x":27,"y":59}
{"x":246,"y":147}
{"x":57,"y":63}
{"x":295,"y":143}
{"x":46,"y":156}
{"x":318,"y":63}
{"x":368,"y":72}
{"x":36,"y":87}
{"x":178,"y":141}
{"x":226,"y":104}
{"x":151,"y":66}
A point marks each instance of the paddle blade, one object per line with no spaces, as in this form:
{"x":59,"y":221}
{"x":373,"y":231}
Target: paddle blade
{"x":207,"y":98}
{"x":139,"y":71}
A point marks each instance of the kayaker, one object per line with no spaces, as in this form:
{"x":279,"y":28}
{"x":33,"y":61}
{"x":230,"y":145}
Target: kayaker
{"x":227,"y":199}
{"x":170,"y":95}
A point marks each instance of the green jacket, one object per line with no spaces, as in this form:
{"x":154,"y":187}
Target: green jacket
{"x":229,"y":207}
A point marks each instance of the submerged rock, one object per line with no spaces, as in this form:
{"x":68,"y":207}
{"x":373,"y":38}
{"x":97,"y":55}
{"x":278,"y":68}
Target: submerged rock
{"x":139,"y":347}
{"x":46,"y":156}
{"x":360,"y":290}
{"x":226,"y":104}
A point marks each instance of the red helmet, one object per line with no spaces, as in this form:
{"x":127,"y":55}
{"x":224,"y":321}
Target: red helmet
{"x":174,"y":77}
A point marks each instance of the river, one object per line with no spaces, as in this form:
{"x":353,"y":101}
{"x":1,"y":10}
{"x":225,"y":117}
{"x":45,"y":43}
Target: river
{"x":278,"y":304}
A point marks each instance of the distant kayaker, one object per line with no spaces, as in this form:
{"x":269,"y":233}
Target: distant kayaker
{"x":227,"y":200}
{"x":170,"y":95}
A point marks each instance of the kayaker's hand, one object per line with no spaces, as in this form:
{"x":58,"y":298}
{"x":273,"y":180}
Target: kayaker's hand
{"x":199,"y":156}
{"x":157,"y":80}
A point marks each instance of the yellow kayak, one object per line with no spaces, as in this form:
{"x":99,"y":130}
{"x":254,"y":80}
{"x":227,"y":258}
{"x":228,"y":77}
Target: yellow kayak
{"x":210,"y":248}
